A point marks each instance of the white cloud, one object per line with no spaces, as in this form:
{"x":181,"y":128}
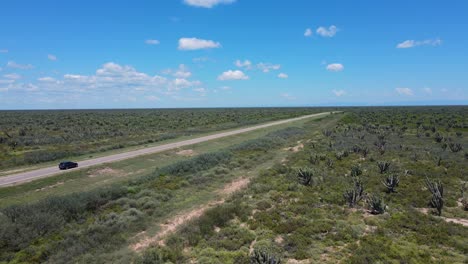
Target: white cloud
{"x":243,"y":64}
{"x":46,"y":79}
{"x":207,"y":3}
{"x":200,"y":59}
{"x":181,"y":83}
{"x":152,"y":41}
{"x":308,"y":32}
{"x":339,"y":93}
{"x":14,"y":65}
{"x":111,"y":81}
{"x":52,"y":57}
{"x":202,"y":91}
{"x":414,"y":43}
{"x":427,"y":90}
{"x":152,"y":98}
{"x":3,"y":51}
{"x":232,"y":75}
{"x":283,"y":76}
{"x":12,"y":76}
{"x":196,"y":44}
{"x":404,"y":91}
{"x":10,"y":81}
{"x":335,"y":67}
{"x":327,"y":32}
{"x":225,"y":88}
{"x":287,"y":96}
{"x":267,"y":67}
{"x":182,"y":72}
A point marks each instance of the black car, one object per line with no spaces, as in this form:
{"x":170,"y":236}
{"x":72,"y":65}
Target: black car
{"x":65,"y":165}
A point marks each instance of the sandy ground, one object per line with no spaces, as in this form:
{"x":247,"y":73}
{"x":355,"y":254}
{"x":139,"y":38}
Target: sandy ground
{"x":171,"y":225}
{"x":460,"y":221}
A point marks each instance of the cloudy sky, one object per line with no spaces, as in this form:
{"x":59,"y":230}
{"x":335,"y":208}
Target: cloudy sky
{"x":215,"y":53}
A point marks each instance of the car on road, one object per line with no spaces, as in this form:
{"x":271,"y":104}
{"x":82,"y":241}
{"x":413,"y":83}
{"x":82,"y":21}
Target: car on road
{"x":65,"y":165}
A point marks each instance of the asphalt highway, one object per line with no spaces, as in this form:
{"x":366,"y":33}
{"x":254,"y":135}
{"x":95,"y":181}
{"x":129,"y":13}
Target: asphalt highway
{"x":27,"y":176}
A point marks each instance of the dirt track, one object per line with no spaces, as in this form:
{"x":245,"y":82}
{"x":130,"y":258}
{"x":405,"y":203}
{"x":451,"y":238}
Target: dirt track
{"x":47,"y":172}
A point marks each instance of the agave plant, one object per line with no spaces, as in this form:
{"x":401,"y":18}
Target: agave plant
{"x":356,"y":171}
{"x":313,"y":159}
{"x":305,"y":176}
{"x":455,"y":147}
{"x":438,"y":138}
{"x":376,"y":204}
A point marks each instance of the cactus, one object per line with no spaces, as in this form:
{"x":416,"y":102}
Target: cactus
{"x":437,"y":190}
{"x":354,"y":195}
{"x":313,"y":159}
{"x":391,"y":182}
{"x":455,"y":147}
{"x":329,"y":163}
{"x":356,"y":171}
{"x":261,"y":257}
{"x":376,"y":204}
{"x":438,"y":138}
{"x":383,"y":166}
{"x":356,"y":148}
{"x":305,"y":176}
{"x":339,"y":155}
{"x":464,"y":196}
{"x":327,"y":133}
{"x":365,"y":151}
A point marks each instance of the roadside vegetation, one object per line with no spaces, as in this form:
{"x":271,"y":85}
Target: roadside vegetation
{"x":371,"y":185}
{"x":33,"y":137}
{"x":98,"y":225}
{"x":379,"y":187}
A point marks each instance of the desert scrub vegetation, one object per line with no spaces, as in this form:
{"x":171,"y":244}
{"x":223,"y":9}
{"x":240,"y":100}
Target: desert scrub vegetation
{"x":31,"y":137}
{"x":292,"y":221}
{"x":94,"y":226}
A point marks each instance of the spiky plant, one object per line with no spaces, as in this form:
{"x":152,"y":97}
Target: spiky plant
{"x":356,"y":170}
{"x":329,"y":163}
{"x":339,"y":155}
{"x":305,"y":176}
{"x":438,"y":138}
{"x":313,"y":159}
{"x":354,"y":195}
{"x":437,"y":190}
{"x":327,"y":133}
{"x":376,"y":204}
{"x":383,"y":166}
{"x":464,"y":196}
{"x":356,"y":148}
{"x":455,"y":147}
{"x":262,"y":257}
{"x":365,"y":151}
{"x":391,"y":182}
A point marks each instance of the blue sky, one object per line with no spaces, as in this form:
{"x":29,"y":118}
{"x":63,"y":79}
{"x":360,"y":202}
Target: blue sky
{"x":224,"y":53}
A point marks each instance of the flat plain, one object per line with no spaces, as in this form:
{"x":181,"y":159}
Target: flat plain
{"x":367,"y":185}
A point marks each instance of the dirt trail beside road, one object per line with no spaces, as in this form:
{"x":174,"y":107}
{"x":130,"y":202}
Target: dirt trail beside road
{"x":171,"y":225}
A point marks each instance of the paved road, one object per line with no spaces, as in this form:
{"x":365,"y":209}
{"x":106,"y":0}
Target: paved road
{"x":46,"y":172}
